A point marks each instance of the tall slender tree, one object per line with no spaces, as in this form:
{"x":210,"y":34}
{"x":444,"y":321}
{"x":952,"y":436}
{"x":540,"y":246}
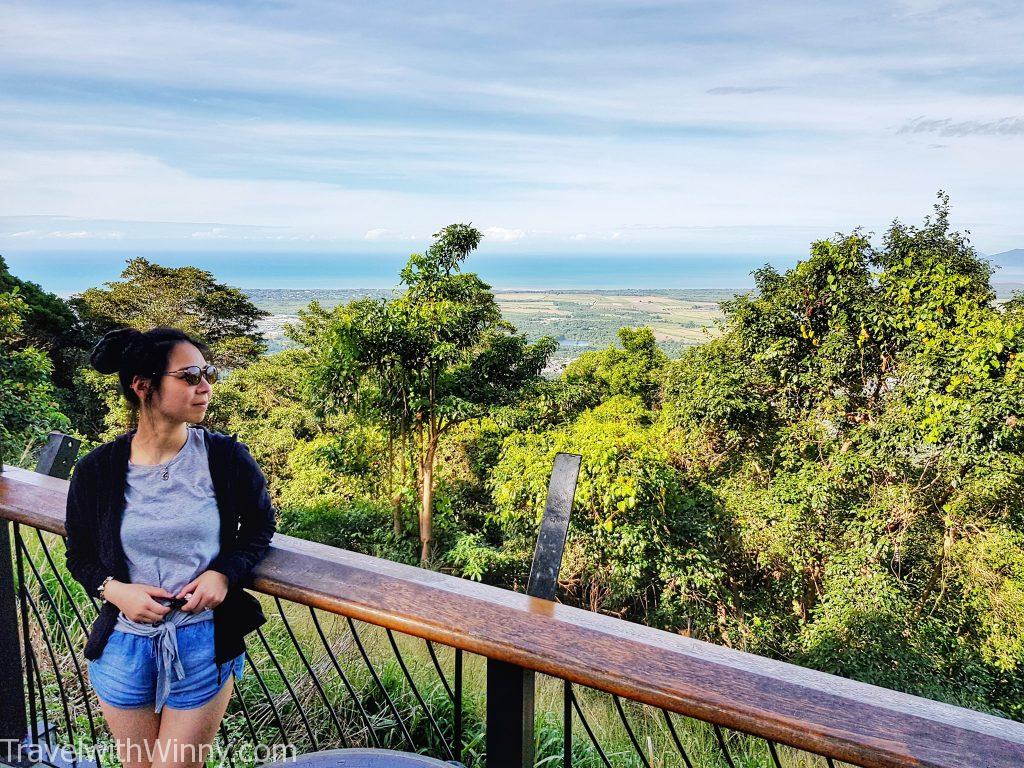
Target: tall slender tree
{"x":435,"y":355}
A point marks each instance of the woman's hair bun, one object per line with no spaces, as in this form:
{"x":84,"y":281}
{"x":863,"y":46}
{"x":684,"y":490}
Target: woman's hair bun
{"x":108,"y":353}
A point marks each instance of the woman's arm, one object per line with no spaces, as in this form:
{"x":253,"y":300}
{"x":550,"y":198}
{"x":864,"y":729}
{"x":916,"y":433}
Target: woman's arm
{"x":257,"y":523}
{"x":81,"y":552}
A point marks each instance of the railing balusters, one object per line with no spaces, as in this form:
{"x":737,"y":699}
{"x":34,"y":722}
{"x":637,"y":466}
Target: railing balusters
{"x":440,"y":672}
{"x":38,"y":675}
{"x":64,"y":587}
{"x":416,"y":693}
{"x":228,"y":746}
{"x":312,"y":674}
{"x":291,"y":691}
{"x":67,"y":638}
{"x":724,"y":746}
{"x":675,"y":738}
{"x":587,"y":728}
{"x":377,"y":680}
{"x":34,"y":679}
{"x":371,"y":731}
{"x":56,"y":668}
{"x":270,"y":700}
{"x":629,"y":732}
{"x":245,"y":709}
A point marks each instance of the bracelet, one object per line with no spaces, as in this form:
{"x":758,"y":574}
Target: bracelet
{"x":101,"y":587}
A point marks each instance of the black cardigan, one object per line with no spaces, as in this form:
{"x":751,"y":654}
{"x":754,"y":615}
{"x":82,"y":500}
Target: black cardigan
{"x":95,"y":507}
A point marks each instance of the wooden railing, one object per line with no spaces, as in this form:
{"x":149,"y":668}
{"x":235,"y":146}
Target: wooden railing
{"x":830,"y":716}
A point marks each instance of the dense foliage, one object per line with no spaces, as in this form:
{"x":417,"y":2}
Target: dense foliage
{"x":835,"y":479}
{"x":28,"y":409}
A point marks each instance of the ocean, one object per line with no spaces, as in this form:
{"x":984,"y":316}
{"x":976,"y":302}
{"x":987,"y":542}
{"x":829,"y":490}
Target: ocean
{"x":65,"y":272}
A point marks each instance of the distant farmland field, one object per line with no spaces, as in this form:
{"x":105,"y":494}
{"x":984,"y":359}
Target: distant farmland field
{"x":580,"y":320}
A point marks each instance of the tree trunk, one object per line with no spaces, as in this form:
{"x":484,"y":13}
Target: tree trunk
{"x":396,"y":496}
{"x":396,"y":514}
{"x":427,"y":503}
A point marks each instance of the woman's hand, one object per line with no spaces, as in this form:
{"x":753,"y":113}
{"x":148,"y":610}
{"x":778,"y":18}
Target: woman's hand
{"x":208,"y":591}
{"x":136,"y":600}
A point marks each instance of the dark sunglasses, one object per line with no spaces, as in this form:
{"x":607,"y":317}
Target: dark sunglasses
{"x":194,"y":373}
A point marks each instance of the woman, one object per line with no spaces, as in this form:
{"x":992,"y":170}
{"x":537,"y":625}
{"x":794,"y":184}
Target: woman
{"x":164,"y":526}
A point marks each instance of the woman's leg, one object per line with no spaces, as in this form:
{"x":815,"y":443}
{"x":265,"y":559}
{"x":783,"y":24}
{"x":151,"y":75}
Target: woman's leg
{"x":135,"y":733}
{"x":186,"y":734}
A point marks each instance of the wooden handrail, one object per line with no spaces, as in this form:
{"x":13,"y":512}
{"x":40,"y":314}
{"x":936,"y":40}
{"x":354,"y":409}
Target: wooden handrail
{"x":850,"y":721}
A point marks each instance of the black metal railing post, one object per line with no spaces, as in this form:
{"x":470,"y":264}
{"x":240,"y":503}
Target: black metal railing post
{"x":510,"y":688}
{"x":58,"y":455}
{"x":13,"y":723}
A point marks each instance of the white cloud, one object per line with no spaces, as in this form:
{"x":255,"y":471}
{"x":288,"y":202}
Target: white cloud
{"x":385,"y":234}
{"x":1006,"y":126}
{"x":214,"y":233}
{"x":64,"y":234}
{"x":503,"y":235}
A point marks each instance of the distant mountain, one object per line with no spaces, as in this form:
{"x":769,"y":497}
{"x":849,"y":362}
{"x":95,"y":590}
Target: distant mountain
{"x":1009,"y":269}
{"x":1008,"y":279}
{"x":1016,"y":256}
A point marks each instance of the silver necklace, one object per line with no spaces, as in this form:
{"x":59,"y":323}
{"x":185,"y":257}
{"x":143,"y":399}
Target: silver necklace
{"x":166,"y":471}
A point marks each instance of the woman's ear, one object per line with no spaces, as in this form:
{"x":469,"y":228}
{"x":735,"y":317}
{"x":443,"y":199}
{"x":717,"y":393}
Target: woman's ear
{"x":140,"y":385}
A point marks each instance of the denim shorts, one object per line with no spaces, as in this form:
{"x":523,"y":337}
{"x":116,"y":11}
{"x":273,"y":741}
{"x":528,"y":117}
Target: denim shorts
{"x":125,"y":673}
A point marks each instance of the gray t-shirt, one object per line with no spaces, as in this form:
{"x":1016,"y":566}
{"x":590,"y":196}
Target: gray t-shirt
{"x":171,"y":527}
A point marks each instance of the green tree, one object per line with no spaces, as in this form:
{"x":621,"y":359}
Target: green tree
{"x":264,"y":404}
{"x":434,"y":356}
{"x":188,"y":298}
{"x":28,"y":409}
{"x":634,"y":370}
{"x":47,"y":319}
{"x":51,"y":326}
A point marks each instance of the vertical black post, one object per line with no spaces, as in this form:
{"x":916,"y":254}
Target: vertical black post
{"x":458,"y":705}
{"x":58,"y":456}
{"x":13,"y":725}
{"x":510,"y":688}
{"x":509,"y":715}
{"x":554,"y":526}
{"x":566,"y":724}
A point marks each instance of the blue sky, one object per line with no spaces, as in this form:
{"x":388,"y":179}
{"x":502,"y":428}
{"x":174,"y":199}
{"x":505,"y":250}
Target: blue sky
{"x":575,"y":130}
